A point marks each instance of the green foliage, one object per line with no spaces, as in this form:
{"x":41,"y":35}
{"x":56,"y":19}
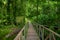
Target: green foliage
{"x":47,"y":14}
{"x":13,"y":12}
{"x":9,"y":11}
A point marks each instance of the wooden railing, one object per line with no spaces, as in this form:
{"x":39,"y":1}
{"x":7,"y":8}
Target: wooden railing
{"x":45,"y":33}
{"x":22,"y":34}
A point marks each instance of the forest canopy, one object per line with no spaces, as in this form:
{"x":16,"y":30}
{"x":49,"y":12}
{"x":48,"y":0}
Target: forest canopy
{"x":13,"y":14}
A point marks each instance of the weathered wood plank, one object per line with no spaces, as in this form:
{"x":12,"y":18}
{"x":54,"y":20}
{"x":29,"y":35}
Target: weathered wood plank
{"x":32,"y":35}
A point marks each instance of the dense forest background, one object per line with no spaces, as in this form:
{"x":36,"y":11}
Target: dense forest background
{"x":14,"y":12}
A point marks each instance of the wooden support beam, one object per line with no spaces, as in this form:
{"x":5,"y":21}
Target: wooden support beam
{"x":47,"y":37}
{"x":54,"y":37}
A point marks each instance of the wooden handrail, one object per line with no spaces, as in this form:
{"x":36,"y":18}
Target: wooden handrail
{"x":48,"y":30}
{"x":22,"y":34}
{"x":17,"y":37}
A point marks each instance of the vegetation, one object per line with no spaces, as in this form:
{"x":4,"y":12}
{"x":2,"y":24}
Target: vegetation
{"x":11,"y":17}
{"x":14,"y":12}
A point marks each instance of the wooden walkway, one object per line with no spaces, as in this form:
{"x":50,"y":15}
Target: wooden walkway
{"x":32,"y":35}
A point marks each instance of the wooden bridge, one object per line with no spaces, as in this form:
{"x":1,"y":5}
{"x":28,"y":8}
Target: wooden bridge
{"x":35,"y":31}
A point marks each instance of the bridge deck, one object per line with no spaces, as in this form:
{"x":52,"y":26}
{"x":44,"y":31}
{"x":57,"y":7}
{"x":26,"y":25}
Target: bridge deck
{"x":32,"y":35}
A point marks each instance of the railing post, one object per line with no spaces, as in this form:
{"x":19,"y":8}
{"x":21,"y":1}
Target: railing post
{"x":19,"y":39}
{"x":25,"y":30}
{"x":50,"y":36}
{"x":54,"y":37}
{"x":24,"y":34}
{"x":42,"y":33}
{"x":39,"y":31}
{"x":36,"y":28}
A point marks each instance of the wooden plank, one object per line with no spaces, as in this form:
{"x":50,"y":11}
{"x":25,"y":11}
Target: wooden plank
{"x":32,"y":35}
